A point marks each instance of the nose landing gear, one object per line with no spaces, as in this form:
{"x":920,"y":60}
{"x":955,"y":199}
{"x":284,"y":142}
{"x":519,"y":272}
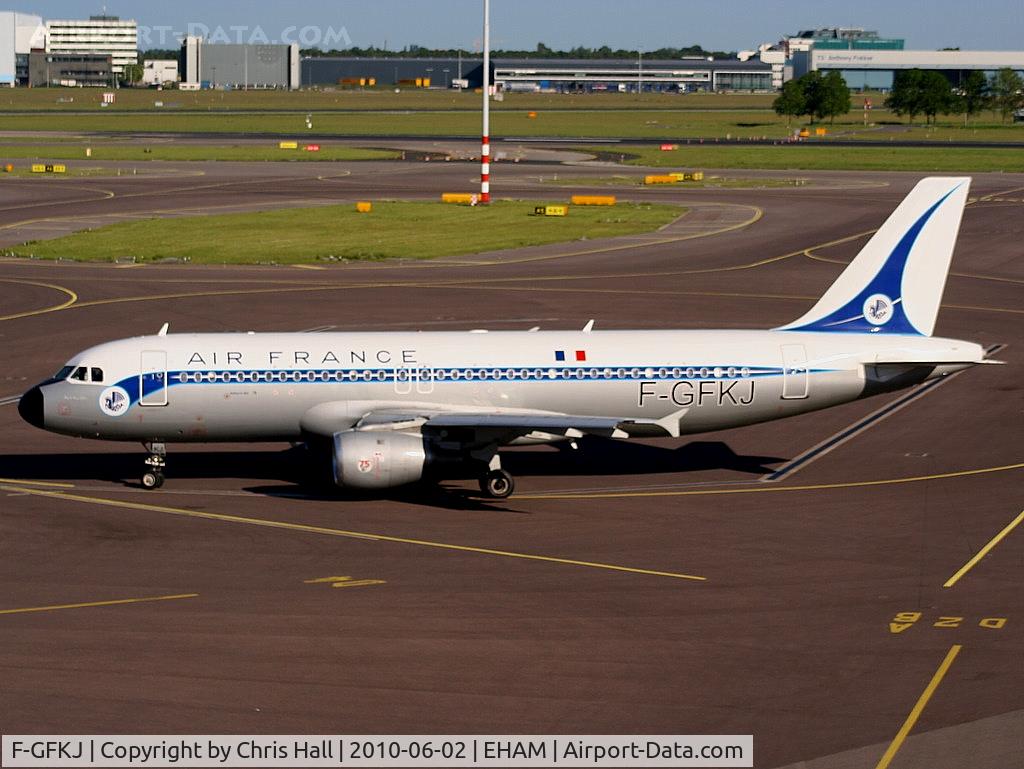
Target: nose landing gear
{"x":153,"y":475}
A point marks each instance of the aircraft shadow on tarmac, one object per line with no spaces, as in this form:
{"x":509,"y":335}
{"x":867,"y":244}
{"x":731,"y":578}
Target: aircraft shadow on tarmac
{"x":297,"y":467}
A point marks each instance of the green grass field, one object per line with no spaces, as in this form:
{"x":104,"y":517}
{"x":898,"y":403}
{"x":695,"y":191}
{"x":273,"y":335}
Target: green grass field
{"x":384,"y":98}
{"x":177,"y":152}
{"x":612,"y":123}
{"x":392,"y":230}
{"x":647,"y":124}
{"x":441,"y":112}
{"x":820,"y":157}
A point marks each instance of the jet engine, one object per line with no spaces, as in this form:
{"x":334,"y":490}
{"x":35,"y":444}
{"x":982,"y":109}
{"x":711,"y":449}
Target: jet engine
{"x":377,"y":459}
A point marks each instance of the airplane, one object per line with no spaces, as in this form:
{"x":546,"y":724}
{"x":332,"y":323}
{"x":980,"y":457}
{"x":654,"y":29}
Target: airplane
{"x":393,"y":408}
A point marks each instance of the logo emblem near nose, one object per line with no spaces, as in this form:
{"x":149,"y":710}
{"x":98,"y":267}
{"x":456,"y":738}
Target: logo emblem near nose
{"x":114,"y":401}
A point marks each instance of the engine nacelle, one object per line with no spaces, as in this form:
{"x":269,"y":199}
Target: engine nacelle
{"x":377,"y":459}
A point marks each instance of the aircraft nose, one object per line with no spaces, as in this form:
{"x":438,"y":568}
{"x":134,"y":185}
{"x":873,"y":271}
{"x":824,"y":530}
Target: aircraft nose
{"x":31,"y":407}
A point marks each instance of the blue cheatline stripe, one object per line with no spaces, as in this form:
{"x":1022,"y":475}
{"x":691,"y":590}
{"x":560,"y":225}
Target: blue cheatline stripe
{"x":443,"y":375}
{"x":888,"y":281}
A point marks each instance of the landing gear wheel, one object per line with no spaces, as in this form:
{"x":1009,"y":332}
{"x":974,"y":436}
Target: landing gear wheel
{"x":497,"y":484}
{"x":153,"y":474}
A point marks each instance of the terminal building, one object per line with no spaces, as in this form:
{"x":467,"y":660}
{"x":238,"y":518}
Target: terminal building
{"x":875,"y":69}
{"x":840,"y":39}
{"x":550,"y":75}
{"x":868,"y":61}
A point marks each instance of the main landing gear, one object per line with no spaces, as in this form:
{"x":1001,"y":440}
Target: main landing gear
{"x":153,"y":475}
{"x":495,"y":482}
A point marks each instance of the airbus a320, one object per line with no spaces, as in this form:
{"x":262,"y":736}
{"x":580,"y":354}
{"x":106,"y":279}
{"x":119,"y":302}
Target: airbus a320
{"x":397,"y":408}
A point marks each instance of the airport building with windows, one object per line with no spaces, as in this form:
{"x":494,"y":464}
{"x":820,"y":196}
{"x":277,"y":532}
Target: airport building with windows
{"x":627,"y":75}
{"x":97,"y":35}
{"x":70,"y":70}
{"x":552,"y":75}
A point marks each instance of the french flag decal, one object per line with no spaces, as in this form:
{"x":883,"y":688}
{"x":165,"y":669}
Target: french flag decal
{"x":581,"y":355}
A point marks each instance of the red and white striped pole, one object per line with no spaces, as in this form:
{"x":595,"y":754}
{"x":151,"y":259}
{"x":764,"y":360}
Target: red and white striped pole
{"x":485,"y":145}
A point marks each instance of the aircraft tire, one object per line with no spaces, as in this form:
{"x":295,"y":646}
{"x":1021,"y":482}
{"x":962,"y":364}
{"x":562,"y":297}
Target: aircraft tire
{"x":497,"y":484}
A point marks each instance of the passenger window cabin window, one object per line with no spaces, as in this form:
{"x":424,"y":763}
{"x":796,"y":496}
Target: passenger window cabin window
{"x":97,"y":374}
{"x":81,"y":374}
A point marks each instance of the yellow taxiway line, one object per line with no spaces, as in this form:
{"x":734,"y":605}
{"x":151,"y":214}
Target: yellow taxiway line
{"x":770,"y":489}
{"x":92,"y":604}
{"x":919,"y":706}
{"x":47,"y":484}
{"x":343,"y":533}
{"x":28,"y":313}
{"x":985,"y":550}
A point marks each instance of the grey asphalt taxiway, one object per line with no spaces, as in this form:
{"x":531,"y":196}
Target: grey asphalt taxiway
{"x":844,"y":585}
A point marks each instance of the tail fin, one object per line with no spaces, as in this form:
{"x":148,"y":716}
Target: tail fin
{"x":895,"y":283}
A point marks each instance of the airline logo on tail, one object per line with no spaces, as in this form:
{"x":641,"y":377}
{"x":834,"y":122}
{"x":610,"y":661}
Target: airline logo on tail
{"x":878,"y":309}
{"x":895,"y":283}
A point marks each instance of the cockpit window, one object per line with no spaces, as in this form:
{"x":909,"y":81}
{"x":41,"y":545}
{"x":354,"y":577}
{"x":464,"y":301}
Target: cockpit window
{"x":97,"y":374}
{"x":80,"y":374}
{"x":64,"y":373}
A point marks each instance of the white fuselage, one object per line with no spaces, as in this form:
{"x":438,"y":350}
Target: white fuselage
{"x":256,"y":387}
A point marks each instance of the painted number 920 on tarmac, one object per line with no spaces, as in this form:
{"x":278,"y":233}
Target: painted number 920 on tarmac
{"x":355,"y":750}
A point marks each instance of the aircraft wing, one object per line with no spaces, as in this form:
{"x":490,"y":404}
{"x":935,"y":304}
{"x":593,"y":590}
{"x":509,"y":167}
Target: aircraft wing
{"x":567,"y":425}
{"x":473,"y":425}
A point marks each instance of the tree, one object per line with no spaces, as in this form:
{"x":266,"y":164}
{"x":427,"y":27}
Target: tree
{"x":815,"y":95}
{"x":812,"y":86}
{"x":936,"y":94}
{"x":833,"y":97}
{"x":132,"y":74}
{"x":973,"y":95}
{"x":159,"y":53}
{"x":905,"y":97}
{"x":916,"y":92}
{"x":792,"y":102}
{"x":1007,"y":89}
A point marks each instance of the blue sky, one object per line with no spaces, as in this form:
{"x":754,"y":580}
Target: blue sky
{"x":716,"y":24}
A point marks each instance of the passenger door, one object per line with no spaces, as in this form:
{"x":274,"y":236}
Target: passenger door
{"x":153,"y":378}
{"x":794,"y":372}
